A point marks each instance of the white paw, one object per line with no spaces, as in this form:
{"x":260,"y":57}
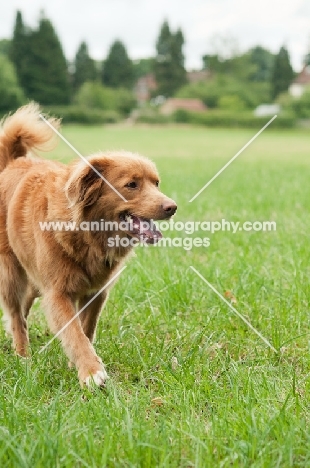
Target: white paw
{"x":99,"y":379}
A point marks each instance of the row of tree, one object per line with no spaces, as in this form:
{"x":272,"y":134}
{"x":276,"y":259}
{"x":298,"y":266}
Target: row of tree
{"x":44,"y":74}
{"x":256,"y":65}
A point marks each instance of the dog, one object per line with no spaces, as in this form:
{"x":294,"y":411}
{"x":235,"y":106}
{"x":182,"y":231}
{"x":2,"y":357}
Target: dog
{"x":68,"y":268}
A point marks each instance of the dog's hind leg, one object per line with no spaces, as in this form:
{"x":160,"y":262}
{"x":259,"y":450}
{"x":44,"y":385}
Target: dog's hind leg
{"x":13,"y":286}
{"x":30,"y":296}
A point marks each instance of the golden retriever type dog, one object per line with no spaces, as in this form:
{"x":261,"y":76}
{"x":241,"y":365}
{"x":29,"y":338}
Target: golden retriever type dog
{"x":67,"y":268}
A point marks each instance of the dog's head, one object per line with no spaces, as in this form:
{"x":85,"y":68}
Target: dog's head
{"x":128,"y":191}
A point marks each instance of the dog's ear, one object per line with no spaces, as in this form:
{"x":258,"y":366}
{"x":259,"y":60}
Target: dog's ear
{"x":84,"y":185}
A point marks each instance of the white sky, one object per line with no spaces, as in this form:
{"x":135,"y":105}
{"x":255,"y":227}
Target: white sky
{"x":270,"y":23}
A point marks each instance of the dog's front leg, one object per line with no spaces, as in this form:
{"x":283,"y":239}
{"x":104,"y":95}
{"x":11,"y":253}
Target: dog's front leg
{"x":89,"y":316}
{"x":62,"y":319}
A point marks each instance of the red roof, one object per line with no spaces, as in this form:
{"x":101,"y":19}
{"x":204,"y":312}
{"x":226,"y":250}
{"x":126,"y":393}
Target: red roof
{"x":304,"y":76}
{"x":173,"y":104}
{"x":196,"y":76}
{"x":144,"y":87}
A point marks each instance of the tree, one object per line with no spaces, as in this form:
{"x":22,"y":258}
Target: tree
{"x":143,"y":67}
{"x":177,"y":59}
{"x":10,"y":92}
{"x":118,"y":69}
{"x":263,"y":60}
{"x":19,"y":49}
{"x":212,"y":63}
{"x":5,"y":46}
{"x":224,"y":49}
{"x":169,"y":68}
{"x":240,"y":66}
{"x":307,"y":56}
{"x":84,"y":67}
{"x":162,"y":66}
{"x":45,"y":74}
{"x":282,"y":74}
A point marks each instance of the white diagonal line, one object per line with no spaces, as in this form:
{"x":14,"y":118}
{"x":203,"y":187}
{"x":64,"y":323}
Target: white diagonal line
{"x":232,"y":159}
{"x":83,"y":308}
{"x":235,"y":311}
{"x":83,"y":158}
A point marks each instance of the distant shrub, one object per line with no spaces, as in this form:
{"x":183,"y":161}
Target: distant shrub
{"x":299,"y":106}
{"x":231,"y":103}
{"x":211,"y":91}
{"x":182,"y":116}
{"x":95,"y":96}
{"x":125,"y":101}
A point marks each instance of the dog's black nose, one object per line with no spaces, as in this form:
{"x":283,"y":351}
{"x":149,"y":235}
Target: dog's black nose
{"x":169,"y":207}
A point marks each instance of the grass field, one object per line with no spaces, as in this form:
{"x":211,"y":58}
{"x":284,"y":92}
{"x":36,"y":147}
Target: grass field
{"x":191,"y":385}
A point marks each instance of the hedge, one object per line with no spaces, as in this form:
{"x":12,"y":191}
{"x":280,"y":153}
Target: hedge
{"x":82,"y":115}
{"x":218,"y":118}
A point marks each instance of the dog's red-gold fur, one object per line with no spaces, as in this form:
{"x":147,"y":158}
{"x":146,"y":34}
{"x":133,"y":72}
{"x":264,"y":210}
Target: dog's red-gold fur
{"x":66,"y":268}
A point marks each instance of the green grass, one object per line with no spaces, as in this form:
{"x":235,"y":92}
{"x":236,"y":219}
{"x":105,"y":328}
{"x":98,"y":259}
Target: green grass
{"x":230,"y":401}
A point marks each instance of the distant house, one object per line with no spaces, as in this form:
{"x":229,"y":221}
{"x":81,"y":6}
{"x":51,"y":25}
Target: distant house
{"x":144,"y":87}
{"x":265,"y":110}
{"x":173,"y":104}
{"x":298,"y":86}
{"x":196,"y":76}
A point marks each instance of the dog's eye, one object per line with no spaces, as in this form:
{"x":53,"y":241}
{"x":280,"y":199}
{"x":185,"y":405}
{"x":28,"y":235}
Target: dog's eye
{"x":157,"y":183}
{"x":132,"y":185}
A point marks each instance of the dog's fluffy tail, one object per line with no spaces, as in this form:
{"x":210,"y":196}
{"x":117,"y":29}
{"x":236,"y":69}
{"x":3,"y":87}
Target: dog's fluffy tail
{"x":23,"y":131}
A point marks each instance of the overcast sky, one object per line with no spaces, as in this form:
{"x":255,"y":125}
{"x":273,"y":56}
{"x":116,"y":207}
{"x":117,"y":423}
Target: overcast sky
{"x":270,"y":23}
